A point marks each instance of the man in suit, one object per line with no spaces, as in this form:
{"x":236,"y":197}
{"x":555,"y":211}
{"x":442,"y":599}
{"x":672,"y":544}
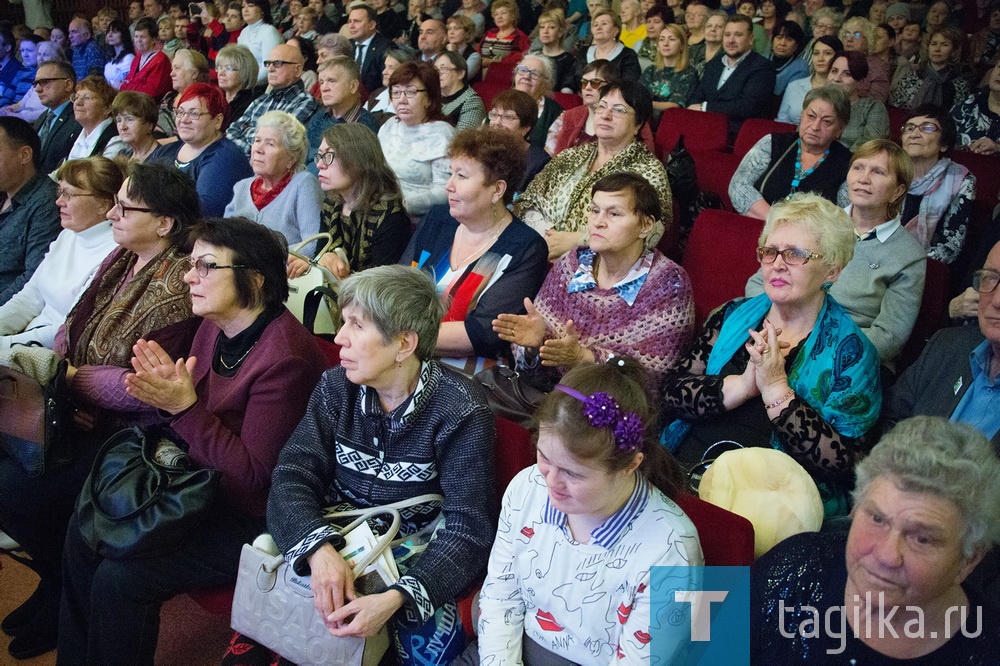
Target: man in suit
{"x":956,"y":375}
{"x":739,"y":82}
{"x":369,"y":45}
{"x":57,"y":128}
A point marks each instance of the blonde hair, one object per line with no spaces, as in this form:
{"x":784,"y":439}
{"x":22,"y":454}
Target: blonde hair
{"x":681,"y":63}
{"x":828,"y":223}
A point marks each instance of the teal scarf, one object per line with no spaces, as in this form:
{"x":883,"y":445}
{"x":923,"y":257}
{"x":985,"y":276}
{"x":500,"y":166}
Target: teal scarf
{"x":836,"y":372}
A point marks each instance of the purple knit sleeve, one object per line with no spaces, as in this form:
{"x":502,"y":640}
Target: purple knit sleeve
{"x":104,"y":386}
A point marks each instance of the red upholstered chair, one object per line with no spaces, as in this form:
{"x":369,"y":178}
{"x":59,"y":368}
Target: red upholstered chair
{"x":985,"y":169}
{"x":720,"y":257}
{"x":702,"y":130}
{"x":715,"y":170}
{"x":755,"y":129}
{"x":500,"y":72}
{"x":896,"y":119}
{"x":488,"y":90}
{"x":933,"y":314}
{"x":726,"y":539}
{"x":567,"y":100}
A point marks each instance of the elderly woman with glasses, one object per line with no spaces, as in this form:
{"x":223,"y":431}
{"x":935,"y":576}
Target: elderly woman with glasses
{"x":237,"y":72}
{"x":212,"y":161}
{"x":234,"y":401}
{"x":556,"y":202}
{"x":535,"y":75}
{"x":786,"y":369}
{"x":281,"y":194}
{"x":516,"y":112}
{"x":897,"y":583}
{"x":415,"y":140}
{"x":92,"y":109}
{"x":137,"y":292}
{"x":618,"y":297}
{"x":431,"y":432}
{"x":858,"y":34}
{"x":459,"y":102}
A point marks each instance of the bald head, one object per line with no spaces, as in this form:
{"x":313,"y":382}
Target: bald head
{"x":433,"y":35}
{"x":285,"y":66}
{"x":79,"y":32}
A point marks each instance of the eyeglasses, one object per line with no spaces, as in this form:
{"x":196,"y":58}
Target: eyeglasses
{"x":793,"y":256}
{"x":408,"y":93}
{"x":122,"y":208}
{"x":41,"y":83}
{"x":229,"y":69}
{"x":193,"y":114}
{"x":856,"y":35}
{"x":325,"y":158}
{"x":443,"y":68}
{"x":618,"y":110}
{"x":81,"y":98}
{"x":278,"y":64}
{"x":925,"y":128}
{"x":530,"y":73}
{"x":202,"y":267}
{"x":62,"y":193}
{"x":496,"y":116}
{"x":985,"y":280}
{"x":592,"y":83}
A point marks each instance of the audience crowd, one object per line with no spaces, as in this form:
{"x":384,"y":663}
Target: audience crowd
{"x":496,"y":189}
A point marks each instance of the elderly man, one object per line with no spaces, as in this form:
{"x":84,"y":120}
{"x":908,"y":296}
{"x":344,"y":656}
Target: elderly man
{"x":339,"y":89}
{"x":55,"y":83}
{"x":740,"y":83}
{"x":432,"y":39}
{"x":956,"y":375}
{"x":369,"y":45}
{"x":29,"y":218}
{"x":284,"y":75}
{"x":88,"y":58}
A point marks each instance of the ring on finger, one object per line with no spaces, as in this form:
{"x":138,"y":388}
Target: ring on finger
{"x":765,"y":350}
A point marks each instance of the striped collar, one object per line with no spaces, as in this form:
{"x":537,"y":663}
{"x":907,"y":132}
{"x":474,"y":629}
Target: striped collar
{"x":612,"y":530}
{"x":371,"y":406}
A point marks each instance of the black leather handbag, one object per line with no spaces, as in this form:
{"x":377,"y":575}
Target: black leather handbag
{"x":134,"y":506}
{"x":510,"y":395}
{"x":33,"y":417}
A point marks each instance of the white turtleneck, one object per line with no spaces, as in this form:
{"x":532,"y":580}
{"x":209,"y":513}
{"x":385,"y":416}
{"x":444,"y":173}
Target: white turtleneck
{"x":35,"y":313}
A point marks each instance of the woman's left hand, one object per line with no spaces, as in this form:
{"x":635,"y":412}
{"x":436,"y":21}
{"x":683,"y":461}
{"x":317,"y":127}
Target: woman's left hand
{"x":296,"y":267}
{"x":160,"y":381}
{"x":364,"y":616}
{"x":770,"y":362}
{"x":565,"y":350}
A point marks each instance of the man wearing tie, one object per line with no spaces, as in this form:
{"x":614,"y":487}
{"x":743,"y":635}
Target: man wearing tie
{"x":369,"y":45}
{"x":57,"y":128}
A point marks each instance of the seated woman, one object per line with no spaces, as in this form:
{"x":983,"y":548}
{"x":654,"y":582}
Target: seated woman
{"x":87,"y":190}
{"x":234,"y":400}
{"x":121,"y":53}
{"x":858,"y":34}
{"x":869,"y":117}
{"x":535,"y":75}
{"x":977,"y":117}
{"x":484,"y":260}
{"x":605,"y":27}
{"x":237,"y":72}
{"x":505,"y":38}
{"x":363,"y":211}
{"x":138,"y":292}
{"x":618,"y":297}
{"x":810,"y":161}
{"x":823,"y":51}
{"x":459,"y":102}
{"x":670,"y":78}
{"x":92,"y":109}
{"x":516,"y":112}
{"x":925,"y":501}
{"x":552,"y":29}
{"x":281,"y":194}
{"x":786,"y":369}
{"x":882,"y":286}
{"x":787,"y":43}
{"x":602,"y":489}
{"x":214,"y":163}
{"x":415,"y":140}
{"x":556,"y":201}
{"x":188,"y":67}
{"x":378,"y":100}
{"x":462,"y":36}
{"x":715,"y":28}
{"x":939,"y":201}
{"x":134,"y":114}
{"x":388,"y":400}
{"x":937,"y":79}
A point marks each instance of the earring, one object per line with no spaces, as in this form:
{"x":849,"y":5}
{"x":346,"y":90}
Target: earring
{"x":826,"y":286}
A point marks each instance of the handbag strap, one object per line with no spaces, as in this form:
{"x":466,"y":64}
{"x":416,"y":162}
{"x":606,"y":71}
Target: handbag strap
{"x":312,"y":239}
{"x":113,"y":441}
{"x":310,"y":305}
{"x":428,"y":498}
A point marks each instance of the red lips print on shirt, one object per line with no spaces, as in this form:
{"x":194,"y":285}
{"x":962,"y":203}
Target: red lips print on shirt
{"x":527,"y":531}
{"x":547,"y":621}
{"x":623,"y":613}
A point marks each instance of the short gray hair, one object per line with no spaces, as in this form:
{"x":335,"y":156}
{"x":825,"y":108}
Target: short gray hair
{"x":833,"y":95}
{"x":293,"y":134}
{"x":335,"y":42}
{"x":829,"y":224}
{"x":242,"y":60}
{"x":548,"y":68}
{"x":397,"y":299}
{"x":928,"y":454}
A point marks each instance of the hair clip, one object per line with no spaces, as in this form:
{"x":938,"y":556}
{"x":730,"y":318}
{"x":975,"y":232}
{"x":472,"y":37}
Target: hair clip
{"x":603,"y":411}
